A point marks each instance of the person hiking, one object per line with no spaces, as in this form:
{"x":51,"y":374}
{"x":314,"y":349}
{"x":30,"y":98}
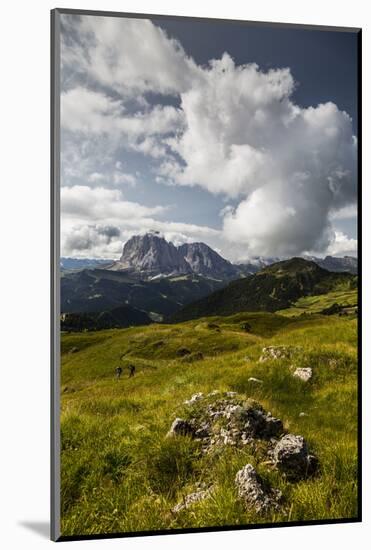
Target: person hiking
{"x":131,"y":370}
{"x":118,"y":371}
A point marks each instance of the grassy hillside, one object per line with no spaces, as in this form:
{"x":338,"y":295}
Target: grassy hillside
{"x":347,"y":299}
{"x":119,"y":471}
{"x":274,"y":288}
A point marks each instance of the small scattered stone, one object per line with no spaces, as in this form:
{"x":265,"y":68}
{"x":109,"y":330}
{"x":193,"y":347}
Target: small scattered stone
{"x":191,"y":499}
{"x":291,"y":457}
{"x":303,"y":414}
{"x":304,"y":373}
{"x":255,"y":380}
{"x":254,"y":492}
{"x":74,"y":350}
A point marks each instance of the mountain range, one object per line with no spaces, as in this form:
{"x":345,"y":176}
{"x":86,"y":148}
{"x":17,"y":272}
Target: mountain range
{"x":155,"y":280}
{"x":150,"y":256}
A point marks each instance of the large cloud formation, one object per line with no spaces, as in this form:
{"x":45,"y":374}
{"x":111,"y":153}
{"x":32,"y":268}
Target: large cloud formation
{"x":234,"y":131}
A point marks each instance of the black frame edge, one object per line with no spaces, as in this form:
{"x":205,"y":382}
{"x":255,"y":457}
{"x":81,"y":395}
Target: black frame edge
{"x":103,"y":13}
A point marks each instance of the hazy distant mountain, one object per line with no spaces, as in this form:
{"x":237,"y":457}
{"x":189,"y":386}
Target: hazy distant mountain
{"x":333,"y":263}
{"x":82,"y":263}
{"x":274,"y":287}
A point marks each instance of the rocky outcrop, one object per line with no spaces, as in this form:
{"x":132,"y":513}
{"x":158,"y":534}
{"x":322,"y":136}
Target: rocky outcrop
{"x":254,"y":492}
{"x":226,"y":419}
{"x":291,"y":456}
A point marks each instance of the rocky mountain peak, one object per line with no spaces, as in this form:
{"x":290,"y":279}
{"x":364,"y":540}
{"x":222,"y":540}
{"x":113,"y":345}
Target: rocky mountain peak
{"x":152,"y":253}
{"x":204,"y":260}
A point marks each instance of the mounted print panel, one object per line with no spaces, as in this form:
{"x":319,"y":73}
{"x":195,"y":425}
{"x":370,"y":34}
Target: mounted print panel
{"x":205,"y":279}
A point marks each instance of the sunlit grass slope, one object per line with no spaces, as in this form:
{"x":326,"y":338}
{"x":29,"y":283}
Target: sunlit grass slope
{"x":120,"y":473}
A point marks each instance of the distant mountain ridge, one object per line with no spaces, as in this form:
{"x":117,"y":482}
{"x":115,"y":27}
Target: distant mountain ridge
{"x":97,"y":290}
{"x":67,"y":264}
{"x":333,"y":263}
{"x":275,"y":287}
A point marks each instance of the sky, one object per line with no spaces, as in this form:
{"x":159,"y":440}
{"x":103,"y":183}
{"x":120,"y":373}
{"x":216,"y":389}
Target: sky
{"x":240,"y":136}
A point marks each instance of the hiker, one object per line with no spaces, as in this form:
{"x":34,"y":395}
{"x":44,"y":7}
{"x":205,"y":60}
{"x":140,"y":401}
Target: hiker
{"x":131,"y":370}
{"x":118,"y":371}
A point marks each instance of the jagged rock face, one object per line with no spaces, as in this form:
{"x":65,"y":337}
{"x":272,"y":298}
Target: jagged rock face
{"x":205,"y":261}
{"x":152,"y":253}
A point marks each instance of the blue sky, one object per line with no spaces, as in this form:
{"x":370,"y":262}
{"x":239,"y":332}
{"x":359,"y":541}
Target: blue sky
{"x":240,"y":136}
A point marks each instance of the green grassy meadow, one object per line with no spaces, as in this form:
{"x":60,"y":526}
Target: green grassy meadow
{"x":121,"y":474}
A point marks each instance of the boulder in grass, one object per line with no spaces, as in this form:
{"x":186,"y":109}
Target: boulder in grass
{"x":291,"y":456}
{"x":303,"y":373}
{"x":254,"y":492}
